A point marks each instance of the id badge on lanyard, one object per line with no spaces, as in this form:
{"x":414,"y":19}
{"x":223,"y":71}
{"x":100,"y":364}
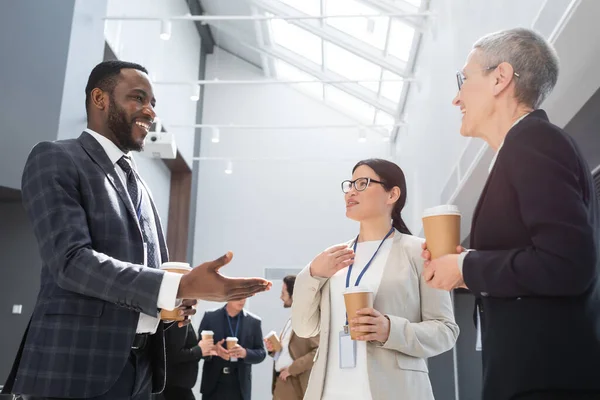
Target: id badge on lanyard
{"x":145,"y":254}
{"x":478,"y":345}
{"x":347,"y":351}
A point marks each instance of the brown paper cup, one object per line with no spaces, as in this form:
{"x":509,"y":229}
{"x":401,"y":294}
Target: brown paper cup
{"x":231,"y":342}
{"x":178,"y":268}
{"x":441,"y":226}
{"x":208,"y":336}
{"x":274,"y":340}
{"x":355,"y":299}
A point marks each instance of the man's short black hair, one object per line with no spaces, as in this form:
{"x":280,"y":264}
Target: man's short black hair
{"x":289,"y":281}
{"x":105,"y":76}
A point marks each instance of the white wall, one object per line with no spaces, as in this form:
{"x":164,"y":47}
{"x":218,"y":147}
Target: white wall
{"x":86,"y":49}
{"x":271,"y":213}
{"x":429,"y":149}
{"x":174,"y":60}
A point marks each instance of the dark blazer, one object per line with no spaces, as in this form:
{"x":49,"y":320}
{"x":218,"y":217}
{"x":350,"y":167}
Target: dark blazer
{"x":250,"y":338}
{"x":183,"y":356}
{"x":535,"y":269}
{"x":93,"y":284}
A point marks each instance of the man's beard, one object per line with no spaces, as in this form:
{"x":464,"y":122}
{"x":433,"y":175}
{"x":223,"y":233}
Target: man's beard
{"x":121,"y":128}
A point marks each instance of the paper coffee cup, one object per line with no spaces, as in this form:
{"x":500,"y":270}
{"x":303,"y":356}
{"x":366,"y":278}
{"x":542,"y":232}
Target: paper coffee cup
{"x":231,"y":343}
{"x":178,"y":268}
{"x":274,"y":340}
{"x":441,"y":225}
{"x":356,"y":298}
{"x":207,"y":335}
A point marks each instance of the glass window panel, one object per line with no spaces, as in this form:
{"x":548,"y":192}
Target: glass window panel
{"x":401,"y":39}
{"x":352,"y":66}
{"x":352,"y":105}
{"x":287,"y":72}
{"x":310,"y":7}
{"x":416,"y":3}
{"x":370,"y":30}
{"x":383,"y":118}
{"x":297,"y":40}
{"x":391,"y":90}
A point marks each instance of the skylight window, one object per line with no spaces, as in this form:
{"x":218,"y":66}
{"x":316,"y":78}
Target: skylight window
{"x":351,"y":66}
{"x":287,"y":72}
{"x":370,"y":30}
{"x":401,"y":40}
{"x":350,"y":104}
{"x":310,"y":7}
{"x":391,"y":90}
{"x":297,"y":40}
{"x":416,"y":3}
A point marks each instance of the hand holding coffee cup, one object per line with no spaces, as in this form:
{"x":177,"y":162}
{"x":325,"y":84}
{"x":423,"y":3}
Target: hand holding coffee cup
{"x":238,"y":352}
{"x":221,"y":351}
{"x":207,"y":344}
{"x":356,"y":298}
{"x":272,"y":342}
{"x":330,"y":261}
{"x":183,"y":311}
{"x":426,"y":254}
{"x":371,"y":326}
{"x":441,"y":226}
{"x":231,"y":342}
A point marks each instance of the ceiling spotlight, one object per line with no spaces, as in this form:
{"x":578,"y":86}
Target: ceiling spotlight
{"x":165,"y":29}
{"x":229,"y":169}
{"x":216,"y":135}
{"x":195,"y":96}
{"x":362,"y":135}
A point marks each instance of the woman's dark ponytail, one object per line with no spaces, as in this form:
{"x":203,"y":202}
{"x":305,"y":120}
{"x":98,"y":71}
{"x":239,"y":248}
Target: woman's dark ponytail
{"x":397,"y":221}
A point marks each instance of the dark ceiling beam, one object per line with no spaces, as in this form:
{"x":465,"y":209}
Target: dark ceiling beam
{"x":208,"y":41}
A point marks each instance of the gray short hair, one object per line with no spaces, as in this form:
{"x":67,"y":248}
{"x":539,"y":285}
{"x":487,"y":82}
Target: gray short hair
{"x":530,"y":55}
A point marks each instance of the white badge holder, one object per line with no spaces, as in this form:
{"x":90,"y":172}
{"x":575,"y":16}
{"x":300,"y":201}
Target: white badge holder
{"x":478,"y":346}
{"x":347,"y":351}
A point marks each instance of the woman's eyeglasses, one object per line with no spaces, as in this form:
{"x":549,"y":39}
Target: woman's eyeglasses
{"x":360,"y":184}
{"x":460,"y":76}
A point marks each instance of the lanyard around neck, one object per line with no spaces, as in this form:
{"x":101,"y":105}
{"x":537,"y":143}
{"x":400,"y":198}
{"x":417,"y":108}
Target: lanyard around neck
{"x":366,"y":267}
{"x":237,"y":326}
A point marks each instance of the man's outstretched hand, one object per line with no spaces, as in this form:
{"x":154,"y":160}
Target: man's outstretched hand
{"x":206,"y":283}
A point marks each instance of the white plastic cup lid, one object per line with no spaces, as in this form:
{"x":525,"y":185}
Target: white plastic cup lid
{"x":176,"y":265}
{"x":357,"y":289}
{"x":231,"y":339}
{"x":203,"y":333}
{"x":445,"y":209}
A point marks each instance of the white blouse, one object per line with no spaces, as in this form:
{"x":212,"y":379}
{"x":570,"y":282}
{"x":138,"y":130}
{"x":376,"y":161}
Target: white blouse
{"x":344,"y":384}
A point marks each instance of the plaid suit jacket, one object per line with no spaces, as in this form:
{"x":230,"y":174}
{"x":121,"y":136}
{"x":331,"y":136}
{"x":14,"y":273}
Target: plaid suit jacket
{"x":93,"y":283}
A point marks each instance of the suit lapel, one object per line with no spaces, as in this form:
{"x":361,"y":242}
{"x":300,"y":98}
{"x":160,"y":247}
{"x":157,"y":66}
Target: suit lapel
{"x":479,"y":203}
{"x":98,"y":155}
{"x":242,"y":331}
{"x":387,"y":270}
